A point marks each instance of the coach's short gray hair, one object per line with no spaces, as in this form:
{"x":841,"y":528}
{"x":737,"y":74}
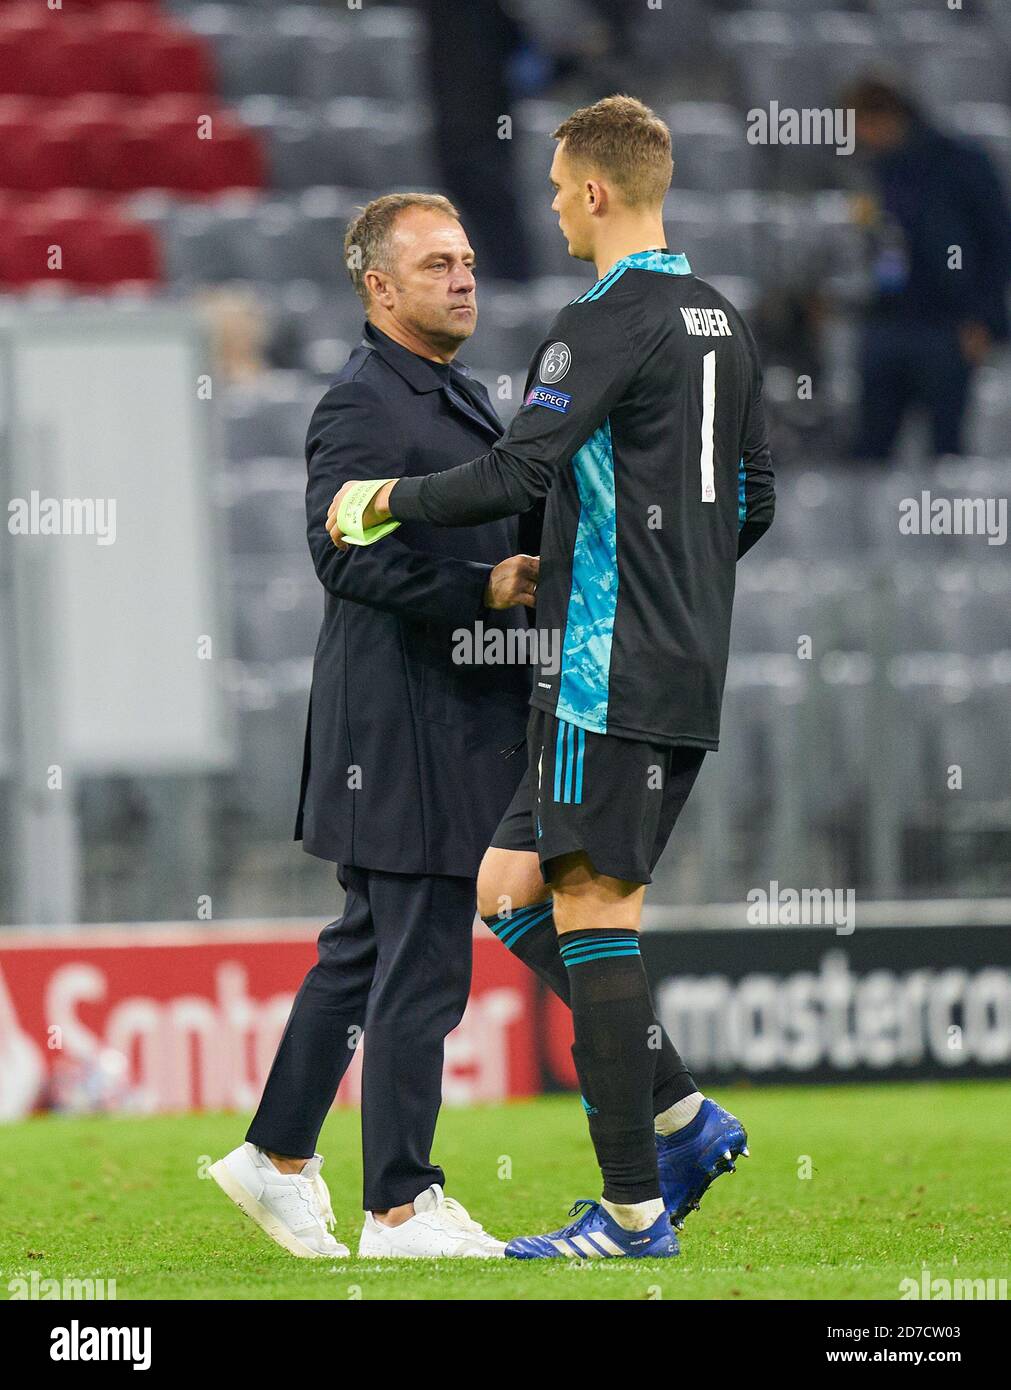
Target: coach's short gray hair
{"x":368,"y":241}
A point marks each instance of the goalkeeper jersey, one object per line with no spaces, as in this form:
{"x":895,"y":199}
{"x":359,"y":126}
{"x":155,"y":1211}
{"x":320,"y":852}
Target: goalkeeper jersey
{"x":642,"y":428}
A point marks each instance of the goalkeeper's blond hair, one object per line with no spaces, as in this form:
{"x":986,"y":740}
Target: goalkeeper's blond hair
{"x":625,"y":141}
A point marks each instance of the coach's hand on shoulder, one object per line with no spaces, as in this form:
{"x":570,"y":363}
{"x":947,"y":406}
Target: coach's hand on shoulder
{"x":513,"y":582}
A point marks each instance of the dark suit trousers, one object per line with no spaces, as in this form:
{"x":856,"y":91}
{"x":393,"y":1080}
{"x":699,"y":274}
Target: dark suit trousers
{"x":395,"y":967}
{"x":904,"y":365}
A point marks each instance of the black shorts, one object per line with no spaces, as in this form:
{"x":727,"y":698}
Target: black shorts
{"x":615,"y":798}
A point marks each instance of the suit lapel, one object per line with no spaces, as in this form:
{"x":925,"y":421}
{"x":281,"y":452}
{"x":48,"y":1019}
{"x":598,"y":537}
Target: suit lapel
{"x":464,"y":397}
{"x":470,"y":403}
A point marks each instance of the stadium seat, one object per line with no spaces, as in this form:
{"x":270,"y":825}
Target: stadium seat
{"x":315,"y":326}
{"x":380,"y":55}
{"x":990,"y":418}
{"x":60,"y":60}
{"x":772,"y":59}
{"x":204,"y":158}
{"x":277,"y":606}
{"x":164,"y":61}
{"x":34,"y":155}
{"x":351,"y":141}
{"x":719,"y":235}
{"x":270,"y":700}
{"x":269,"y":418}
{"x":710,"y":147}
{"x":94,"y":124}
{"x":251,"y":54}
{"x":97,"y":247}
{"x":265,"y":507}
{"x":326,"y":108}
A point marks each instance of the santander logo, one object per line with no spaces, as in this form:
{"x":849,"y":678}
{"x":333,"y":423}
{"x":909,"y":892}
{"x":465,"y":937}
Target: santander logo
{"x":188,"y":1051}
{"x":176,"y":1020}
{"x":22,"y":1064}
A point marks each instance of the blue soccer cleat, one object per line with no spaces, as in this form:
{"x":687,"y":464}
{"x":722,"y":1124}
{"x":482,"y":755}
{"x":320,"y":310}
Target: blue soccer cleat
{"x":595,"y":1235}
{"x":695,"y":1156}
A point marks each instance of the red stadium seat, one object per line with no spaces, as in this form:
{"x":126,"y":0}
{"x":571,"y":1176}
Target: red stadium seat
{"x":115,"y":145}
{"x":34,"y":158}
{"x":98,"y":247}
{"x":127,"y":48}
{"x":18,"y":49}
{"x":133,"y":158}
{"x":104,"y":99}
{"x":93,"y":124}
{"x":67,"y":221}
{"x":103,"y":8}
{"x":72,"y":58}
{"x":159,"y":59}
{"x":125,"y":253}
{"x":24,"y":257}
{"x":17,"y":123}
{"x":231,"y":158}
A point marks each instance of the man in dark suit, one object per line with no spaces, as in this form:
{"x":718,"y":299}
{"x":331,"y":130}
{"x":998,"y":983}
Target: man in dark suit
{"x":940,"y":233}
{"x":411,"y":757}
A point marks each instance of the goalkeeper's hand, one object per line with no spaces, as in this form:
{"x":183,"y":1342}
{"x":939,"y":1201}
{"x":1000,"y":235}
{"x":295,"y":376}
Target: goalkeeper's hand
{"x":360,"y":514}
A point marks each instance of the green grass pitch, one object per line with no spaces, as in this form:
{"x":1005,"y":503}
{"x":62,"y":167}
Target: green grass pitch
{"x":901,"y":1176}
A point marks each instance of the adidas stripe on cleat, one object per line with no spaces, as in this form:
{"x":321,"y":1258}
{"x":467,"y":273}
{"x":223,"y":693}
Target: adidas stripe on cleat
{"x":595,"y":1235}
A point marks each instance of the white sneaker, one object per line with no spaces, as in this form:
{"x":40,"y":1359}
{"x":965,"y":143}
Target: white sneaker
{"x":440,"y":1227}
{"x":293,"y":1208}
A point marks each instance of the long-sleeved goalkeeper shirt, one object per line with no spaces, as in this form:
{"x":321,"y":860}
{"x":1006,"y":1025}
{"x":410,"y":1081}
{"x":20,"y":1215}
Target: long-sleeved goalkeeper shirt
{"x":642,"y":426}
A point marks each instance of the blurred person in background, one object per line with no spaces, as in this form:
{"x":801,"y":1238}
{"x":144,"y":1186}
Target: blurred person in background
{"x":940,"y":234}
{"x":239,"y":332}
{"x":482,"y":57}
{"x":469,"y":47}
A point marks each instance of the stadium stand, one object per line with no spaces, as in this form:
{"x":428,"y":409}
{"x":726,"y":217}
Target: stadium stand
{"x":312,"y":110}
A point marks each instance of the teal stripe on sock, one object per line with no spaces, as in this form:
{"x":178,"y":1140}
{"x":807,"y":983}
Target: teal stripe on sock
{"x":602,"y":955}
{"x":592,"y":943}
{"x":500,"y":924}
{"x":602,"y":940}
{"x":597,"y":945}
{"x":525,"y":926}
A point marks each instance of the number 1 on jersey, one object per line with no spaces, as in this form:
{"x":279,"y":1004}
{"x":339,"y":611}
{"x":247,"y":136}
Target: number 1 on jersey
{"x":708,"y":414}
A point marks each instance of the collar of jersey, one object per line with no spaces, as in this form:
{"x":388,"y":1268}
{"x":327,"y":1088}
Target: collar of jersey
{"x":666,"y":262}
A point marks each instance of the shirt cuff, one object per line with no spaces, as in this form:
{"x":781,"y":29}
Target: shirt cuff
{"x":405,"y":500}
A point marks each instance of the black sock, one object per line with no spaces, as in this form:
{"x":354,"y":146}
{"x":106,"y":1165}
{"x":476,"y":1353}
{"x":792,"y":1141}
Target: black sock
{"x":530,"y":934}
{"x":612,"y":1016}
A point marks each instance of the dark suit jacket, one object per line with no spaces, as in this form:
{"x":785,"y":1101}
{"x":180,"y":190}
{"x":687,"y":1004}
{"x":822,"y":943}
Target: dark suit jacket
{"x":405,"y":764}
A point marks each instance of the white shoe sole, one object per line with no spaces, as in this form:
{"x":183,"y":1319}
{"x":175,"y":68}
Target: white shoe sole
{"x":266,"y":1221}
{"x":366,"y":1251}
